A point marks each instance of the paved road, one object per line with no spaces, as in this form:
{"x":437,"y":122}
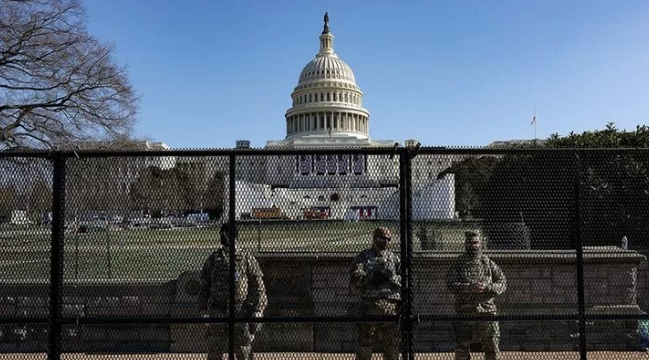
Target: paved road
{"x":319,"y":356}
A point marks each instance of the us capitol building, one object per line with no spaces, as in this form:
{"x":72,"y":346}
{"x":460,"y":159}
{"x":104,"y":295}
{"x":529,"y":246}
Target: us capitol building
{"x":327,"y":112}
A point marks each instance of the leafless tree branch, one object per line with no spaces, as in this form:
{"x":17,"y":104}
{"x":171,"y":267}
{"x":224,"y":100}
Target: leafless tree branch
{"x":58,"y":84}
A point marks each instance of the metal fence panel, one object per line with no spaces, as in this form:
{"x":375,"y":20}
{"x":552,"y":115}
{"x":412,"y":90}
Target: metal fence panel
{"x":111,"y":251}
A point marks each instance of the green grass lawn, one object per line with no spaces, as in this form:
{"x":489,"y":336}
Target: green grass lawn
{"x":160,"y":255}
{"x":34,"y":237}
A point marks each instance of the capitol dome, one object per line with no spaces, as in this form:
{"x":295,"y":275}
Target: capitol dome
{"x":326,"y":67}
{"x":327,"y":102}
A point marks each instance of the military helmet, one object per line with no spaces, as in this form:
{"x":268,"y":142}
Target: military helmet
{"x":471,"y":236}
{"x":382,"y":232}
{"x":225,"y":228}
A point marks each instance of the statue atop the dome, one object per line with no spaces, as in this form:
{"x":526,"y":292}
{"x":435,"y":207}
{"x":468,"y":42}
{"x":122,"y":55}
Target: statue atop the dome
{"x":326,"y":23}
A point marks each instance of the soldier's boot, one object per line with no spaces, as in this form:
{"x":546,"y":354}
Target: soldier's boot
{"x":390,"y":341}
{"x":364,"y":353}
{"x":464,"y":336}
{"x":391,"y":353}
{"x":215,"y":350}
{"x":244,"y":352}
{"x":490,"y":339}
{"x":491,"y":349}
{"x":462,"y":354}
{"x":211,"y":355}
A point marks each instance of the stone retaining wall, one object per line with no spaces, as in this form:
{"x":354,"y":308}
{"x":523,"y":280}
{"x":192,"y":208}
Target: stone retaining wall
{"x":316,"y":284}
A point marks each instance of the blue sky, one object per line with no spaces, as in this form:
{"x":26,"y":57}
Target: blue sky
{"x":453,"y":73}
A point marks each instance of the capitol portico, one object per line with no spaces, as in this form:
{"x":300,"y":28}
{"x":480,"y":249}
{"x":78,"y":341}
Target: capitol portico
{"x":327,"y":112}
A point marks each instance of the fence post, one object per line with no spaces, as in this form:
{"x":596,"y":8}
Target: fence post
{"x":405,"y":229}
{"x":409,"y":278}
{"x":231,"y":218}
{"x":56,"y":256}
{"x":579,"y":244}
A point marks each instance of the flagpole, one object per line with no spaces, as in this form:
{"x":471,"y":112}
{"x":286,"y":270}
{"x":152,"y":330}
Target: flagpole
{"x":534,"y":123}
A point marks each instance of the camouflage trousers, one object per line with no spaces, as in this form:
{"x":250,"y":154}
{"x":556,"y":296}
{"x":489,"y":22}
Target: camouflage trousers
{"x":216,"y":337}
{"x":387,"y":334}
{"x":488,"y":334}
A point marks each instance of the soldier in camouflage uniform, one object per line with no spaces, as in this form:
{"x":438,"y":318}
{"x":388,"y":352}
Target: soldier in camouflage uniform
{"x":375,"y":274}
{"x":250,"y":298}
{"x":475,"y":280}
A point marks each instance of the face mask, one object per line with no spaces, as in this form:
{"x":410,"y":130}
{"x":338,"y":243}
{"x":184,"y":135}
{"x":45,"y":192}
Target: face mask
{"x":381,"y":244}
{"x":473,"y":251}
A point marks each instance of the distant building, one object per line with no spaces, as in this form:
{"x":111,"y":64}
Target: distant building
{"x":165,"y":163}
{"x":327,"y":112}
{"x":516,"y":143}
{"x":104,"y":184}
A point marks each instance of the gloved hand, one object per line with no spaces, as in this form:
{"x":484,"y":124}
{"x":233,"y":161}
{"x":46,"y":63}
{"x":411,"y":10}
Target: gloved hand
{"x":257,"y":314}
{"x":386,"y":268}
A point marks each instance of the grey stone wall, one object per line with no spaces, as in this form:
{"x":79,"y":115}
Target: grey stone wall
{"x":642,"y":287}
{"x":316,"y":284}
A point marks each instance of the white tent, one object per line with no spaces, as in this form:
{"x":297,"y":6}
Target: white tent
{"x":436,"y":200}
{"x":249,"y":196}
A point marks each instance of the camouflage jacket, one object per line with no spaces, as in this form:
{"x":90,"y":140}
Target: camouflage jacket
{"x":249,"y":284}
{"x":376,"y":276}
{"x":466,"y":270}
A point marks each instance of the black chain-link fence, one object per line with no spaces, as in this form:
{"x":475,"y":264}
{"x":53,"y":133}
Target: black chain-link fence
{"x":337,"y":253}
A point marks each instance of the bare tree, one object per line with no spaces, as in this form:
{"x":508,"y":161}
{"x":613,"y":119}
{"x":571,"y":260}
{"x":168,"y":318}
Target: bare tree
{"x":58,"y":84}
{"x":158,"y":192}
{"x":8,"y":201}
{"x":40,"y":198}
{"x":469,"y":201}
{"x":182,"y":189}
{"x":215,"y":195}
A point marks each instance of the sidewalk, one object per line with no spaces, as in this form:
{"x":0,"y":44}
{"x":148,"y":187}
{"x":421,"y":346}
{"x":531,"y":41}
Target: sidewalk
{"x":594,"y":355}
